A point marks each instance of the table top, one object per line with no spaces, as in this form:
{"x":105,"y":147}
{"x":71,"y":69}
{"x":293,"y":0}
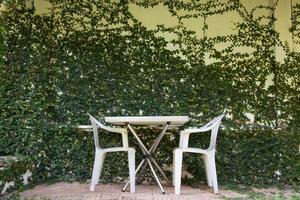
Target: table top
{"x":148,"y":120}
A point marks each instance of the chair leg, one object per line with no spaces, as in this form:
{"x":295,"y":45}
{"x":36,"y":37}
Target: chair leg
{"x":173,"y":170}
{"x":98,"y":164}
{"x":206,"y":165}
{"x":177,"y":171}
{"x":131,"y":163}
{"x":213,"y":171}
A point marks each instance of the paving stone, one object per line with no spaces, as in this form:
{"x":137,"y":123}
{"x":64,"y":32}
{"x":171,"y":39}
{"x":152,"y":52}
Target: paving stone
{"x":77,"y":191}
{"x":144,"y":196}
{"x":110,"y":196}
{"x":127,"y":198}
{"x":91,"y":197}
{"x":77,"y":197}
{"x":55,"y":197}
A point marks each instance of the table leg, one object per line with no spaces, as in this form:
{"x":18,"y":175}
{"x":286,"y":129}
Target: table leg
{"x":149,"y":158}
{"x":142,"y":146}
{"x":153,"y":149}
{"x":156,"y":177}
{"x":136,"y":171}
{"x":160,"y":170}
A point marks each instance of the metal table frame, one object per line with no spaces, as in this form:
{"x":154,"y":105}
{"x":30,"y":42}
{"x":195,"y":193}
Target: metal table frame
{"x":148,"y":153}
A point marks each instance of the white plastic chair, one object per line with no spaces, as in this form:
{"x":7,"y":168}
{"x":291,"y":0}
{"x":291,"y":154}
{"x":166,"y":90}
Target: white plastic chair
{"x":100,"y":153}
{"x":208,"y":154}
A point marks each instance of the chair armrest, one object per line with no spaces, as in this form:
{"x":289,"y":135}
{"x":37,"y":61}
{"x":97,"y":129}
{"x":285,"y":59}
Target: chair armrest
{"x":196,"y":130}
{"x":87,"y":128}
{"x":207,"y":127}
{"x":185,"y":135}
{"x":118,"y":130}
{"x":212,"y":126}
{"x":109,"y":129}
{"x":113,"y":129}
{"x":122,"y":131}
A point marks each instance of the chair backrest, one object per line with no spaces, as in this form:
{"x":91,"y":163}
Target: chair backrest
{"x":214,"y":125}
{"x":95,"y":124}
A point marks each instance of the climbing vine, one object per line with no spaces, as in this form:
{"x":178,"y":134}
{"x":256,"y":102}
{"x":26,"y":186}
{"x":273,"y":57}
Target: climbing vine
{"x":97,"y":57}
{"x":296,"y":23}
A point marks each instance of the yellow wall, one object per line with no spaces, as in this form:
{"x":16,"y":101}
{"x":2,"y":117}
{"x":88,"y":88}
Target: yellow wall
{"x":217,"y":24}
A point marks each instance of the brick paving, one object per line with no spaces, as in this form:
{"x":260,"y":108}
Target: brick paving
{"x":77,"y":191}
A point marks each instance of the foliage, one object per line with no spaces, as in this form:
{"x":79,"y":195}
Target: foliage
{"x":97,"y":57}
{"x":14,"y":172}
{"x":252,"y":193}
{"x":253,"y":157}
{"x":17,"y":196}
{"x":296,"y":22}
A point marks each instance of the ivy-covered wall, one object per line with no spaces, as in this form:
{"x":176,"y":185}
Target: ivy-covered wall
{"x":98,"y":57}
